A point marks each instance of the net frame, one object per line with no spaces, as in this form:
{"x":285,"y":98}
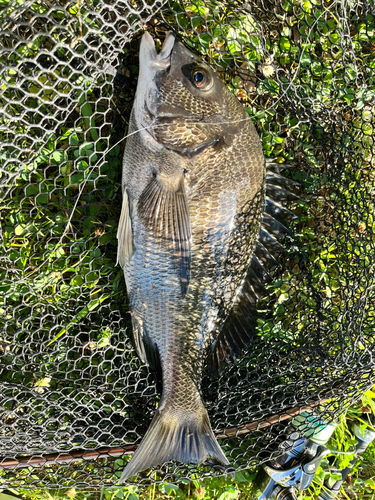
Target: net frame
{"x":59,"y":65}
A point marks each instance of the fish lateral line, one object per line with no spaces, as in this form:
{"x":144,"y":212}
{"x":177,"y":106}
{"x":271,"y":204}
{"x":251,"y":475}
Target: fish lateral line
{"x":161,"y":125}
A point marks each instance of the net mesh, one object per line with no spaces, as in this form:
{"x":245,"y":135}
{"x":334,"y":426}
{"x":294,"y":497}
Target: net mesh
{"x":71,"y":384}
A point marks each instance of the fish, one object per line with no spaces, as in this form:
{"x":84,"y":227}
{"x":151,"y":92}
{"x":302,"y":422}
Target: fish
{"x":194,"y":194}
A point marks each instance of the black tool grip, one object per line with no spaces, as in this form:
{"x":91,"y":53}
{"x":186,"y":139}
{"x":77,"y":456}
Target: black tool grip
{"x":283,"y":493}
{"x":361,"y":447}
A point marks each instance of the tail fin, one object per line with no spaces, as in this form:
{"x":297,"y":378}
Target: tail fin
{"x":175,"y":435}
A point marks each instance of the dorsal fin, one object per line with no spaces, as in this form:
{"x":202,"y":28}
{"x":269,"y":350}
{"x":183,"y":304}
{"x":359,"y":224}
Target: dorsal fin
{"x":240,"y":326}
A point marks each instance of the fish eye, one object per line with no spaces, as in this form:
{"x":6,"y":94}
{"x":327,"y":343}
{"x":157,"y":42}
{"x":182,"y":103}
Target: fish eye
{"x":198,"y":77}
{"x":201,"y":79}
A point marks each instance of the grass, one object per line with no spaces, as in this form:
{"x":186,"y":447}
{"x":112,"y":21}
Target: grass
{"x":248,"y":484}
{"x":62,"y":310}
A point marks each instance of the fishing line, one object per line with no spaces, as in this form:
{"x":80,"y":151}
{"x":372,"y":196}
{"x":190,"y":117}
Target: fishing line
{"x":90,"y":169}
{"x":152,"y":126}
{"x":230,"y":121}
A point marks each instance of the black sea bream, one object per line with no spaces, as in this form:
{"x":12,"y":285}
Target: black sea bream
{"x":193,"y":197}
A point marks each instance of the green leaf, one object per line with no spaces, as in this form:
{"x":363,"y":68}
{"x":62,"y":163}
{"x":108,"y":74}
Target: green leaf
{"x":244,"y":477}
{"x":168,"y":489}
{"x":88,"y":115}
{"x":76,"y":178}
{"x":131,"y":496}
{"x":41,"y":199}
{"x":105,"y":238}
{"x":20,"y":229}
{"x":91,"y":277}
{"x":73,"y":140}
{"x":4,"y":496}
{"x":91,"y":306}
{"x":58,"y":156}
{"x":76,"y":281}
{"x":31,"y":189}
{"x":371,"y":483}
{"x":336,"y":476}
{"x":229,"y":493}
{"x":285,"y":44}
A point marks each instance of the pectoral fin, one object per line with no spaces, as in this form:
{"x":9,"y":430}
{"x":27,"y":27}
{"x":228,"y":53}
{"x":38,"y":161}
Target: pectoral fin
{"x":124,"y":233}
{"x":163,"y":208}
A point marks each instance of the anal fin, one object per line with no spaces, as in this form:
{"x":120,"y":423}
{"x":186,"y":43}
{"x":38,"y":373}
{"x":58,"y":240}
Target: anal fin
{"x":146,"y":349}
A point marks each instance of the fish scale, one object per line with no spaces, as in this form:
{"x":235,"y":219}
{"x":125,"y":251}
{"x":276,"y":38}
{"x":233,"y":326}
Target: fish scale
{"x":194,"y":191}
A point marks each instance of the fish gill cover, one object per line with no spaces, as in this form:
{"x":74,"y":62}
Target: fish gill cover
{"x":71,"y":383}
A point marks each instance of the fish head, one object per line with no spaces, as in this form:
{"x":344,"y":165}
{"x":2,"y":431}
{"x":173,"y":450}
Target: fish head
{"x":180,"y":100}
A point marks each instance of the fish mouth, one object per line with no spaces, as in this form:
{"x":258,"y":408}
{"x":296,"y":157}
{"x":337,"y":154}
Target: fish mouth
{"x":151,"y":64}
{"x":149,"y":56}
